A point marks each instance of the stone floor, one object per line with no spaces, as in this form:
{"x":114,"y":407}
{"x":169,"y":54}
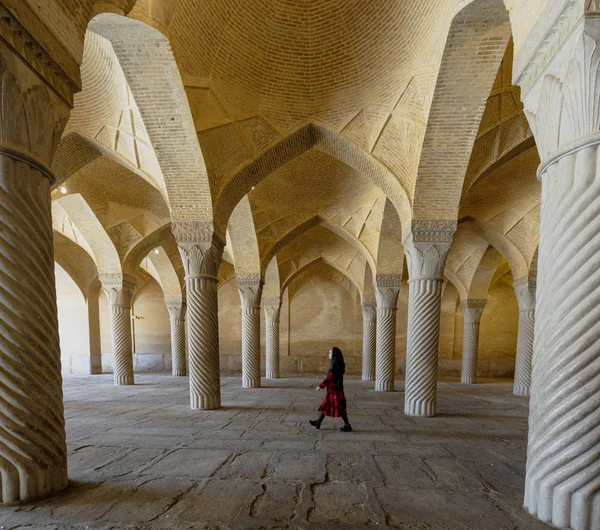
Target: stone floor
{"x":140,"y":458}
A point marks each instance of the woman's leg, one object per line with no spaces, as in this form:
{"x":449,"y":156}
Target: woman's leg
{"x":345,"y":418}
{"x":317,"y":423}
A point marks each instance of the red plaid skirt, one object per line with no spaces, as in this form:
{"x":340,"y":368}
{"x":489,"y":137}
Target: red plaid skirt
{"x":334,"y":403}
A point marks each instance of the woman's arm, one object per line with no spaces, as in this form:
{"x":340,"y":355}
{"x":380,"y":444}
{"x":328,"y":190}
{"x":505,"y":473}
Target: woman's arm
{"x":327,"y":380}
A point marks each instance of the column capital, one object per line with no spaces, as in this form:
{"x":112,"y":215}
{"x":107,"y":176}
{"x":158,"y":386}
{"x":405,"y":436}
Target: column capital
{"x":250,"y":287}
{"x":426,"y":248}
{"x":369,"y":310}
{"x":176,"y":310}
{"x":473,"y":309}
{"x":387,"y":288}
{"x":118,"y":288}
{"x":63,"y":79}
{"x":272,"y":306}
{"x":560,"y":92}
{"x":525,"y":293}
{"x":200,"y":248}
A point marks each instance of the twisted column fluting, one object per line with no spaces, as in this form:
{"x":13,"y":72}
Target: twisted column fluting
{"x":177,"y":318}
{"x":525,"y":291}
{"x":119,"y":291}
{"x":472,"y":311}
{"x":272,"y":311}
{"x":33,"y":453}
{"x":250,"y":288}
{"x":387,"y":288}
{"x":426,"y":250}
{"x":201,"y":252}
{"x":369,"y":311}
{"x":563,"y":106}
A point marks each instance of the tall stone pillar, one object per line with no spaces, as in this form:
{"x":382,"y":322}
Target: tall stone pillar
{"x":525,"y":291}
{"x":176,"y":310}
{"x":387,"y":288}
{"x":119,"y":292}
{"x":426,"y":249}
{"x":93,"y":308}
{"x":201,"y":252}
{"x":369,"y":311}
{"x":36,"y":97}
{"x":272,"y":312}
{"x":250,"y":288}
{"x":561,"y":92}
{"x":472,"y":311}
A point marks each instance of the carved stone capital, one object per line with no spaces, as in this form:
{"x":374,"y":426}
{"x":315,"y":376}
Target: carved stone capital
{"x":176,"y":312}
{"x":525,"y":293}
{"x":472,"y":310}
{"x":33,"y":117}
{"x":250,"y":288}
{"x":563,"y":104}
{"x":201,"y":250}
{"x":433,"y":231}
{"x":118,"y":288}
{"x":369,"y":310}
{"x":64,"y":81}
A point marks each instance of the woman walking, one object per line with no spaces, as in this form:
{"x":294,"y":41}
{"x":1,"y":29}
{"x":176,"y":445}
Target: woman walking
{"x":334,"y":403}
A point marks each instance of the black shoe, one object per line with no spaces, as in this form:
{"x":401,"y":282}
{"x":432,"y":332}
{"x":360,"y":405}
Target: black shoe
{"x":315,"y":423}
{"x":346,"y":428}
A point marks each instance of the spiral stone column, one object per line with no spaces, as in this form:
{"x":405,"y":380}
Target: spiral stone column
{"x":272,"y":311}
{"x":472,"y":311}
{"x":250,"y":288}
{"x":33,"y":454}
{"x":201,"y":252}
{"x":176,"y":310}
{"x":525,"y":291}
{"x":426,"y":249}
{"x":369,"y":311}
{"x":119,"y":291}
{"x":562,"y":99}
{"x":387,"y":288}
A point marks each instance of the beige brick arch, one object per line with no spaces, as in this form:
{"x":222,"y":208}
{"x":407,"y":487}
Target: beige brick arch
{"x":476,"y":44}
{"x":147,"y":61}
{"x":242,"y":236}
{"x":482,"y":279}
{"x":317,"y":261}
{"x":295,"y":144}
{"x":272,"y":288}
{"x":369,"y":285}
{"x":307,"y":225}
{"x":158,"y":264}
{"x":144,"y":246}
{"x":76,"y":262}
{"x":390,"y":254}
{"x":74,"y":211}
{"x":508,"y":249}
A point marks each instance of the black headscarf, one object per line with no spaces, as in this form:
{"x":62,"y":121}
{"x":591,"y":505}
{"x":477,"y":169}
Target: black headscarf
{"x":337,"y":367}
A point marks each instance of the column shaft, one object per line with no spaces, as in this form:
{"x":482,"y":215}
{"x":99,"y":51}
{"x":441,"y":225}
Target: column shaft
{"x":562,"y":484}
{"x":525,"y":292}
{"x":177,"y":318}
{"x":524,"y":353}
{"x":369,"y":340}
{"x":426,"y":249}
{"x":201,"y":253}
{"x":119,"y":291}
{"x":272,"y":312}
{"x":33,"y":461}
{"x":424,"y":308}
{"x":386,"y":291}
{"x":472,"y":310}
{"x":250,"y":288}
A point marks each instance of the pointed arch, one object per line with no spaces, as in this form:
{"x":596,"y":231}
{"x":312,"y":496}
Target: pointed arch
{"x":298,"y":142}
{"x":242,"y":236}
{"x":78,"y":211}
{"x":482,"y":279}
{"x":144,"y":246}
{"x":475,"y":46}
{"x":390,"y":253}
{"x":147,"y":60}
{"x":352,"y":280}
